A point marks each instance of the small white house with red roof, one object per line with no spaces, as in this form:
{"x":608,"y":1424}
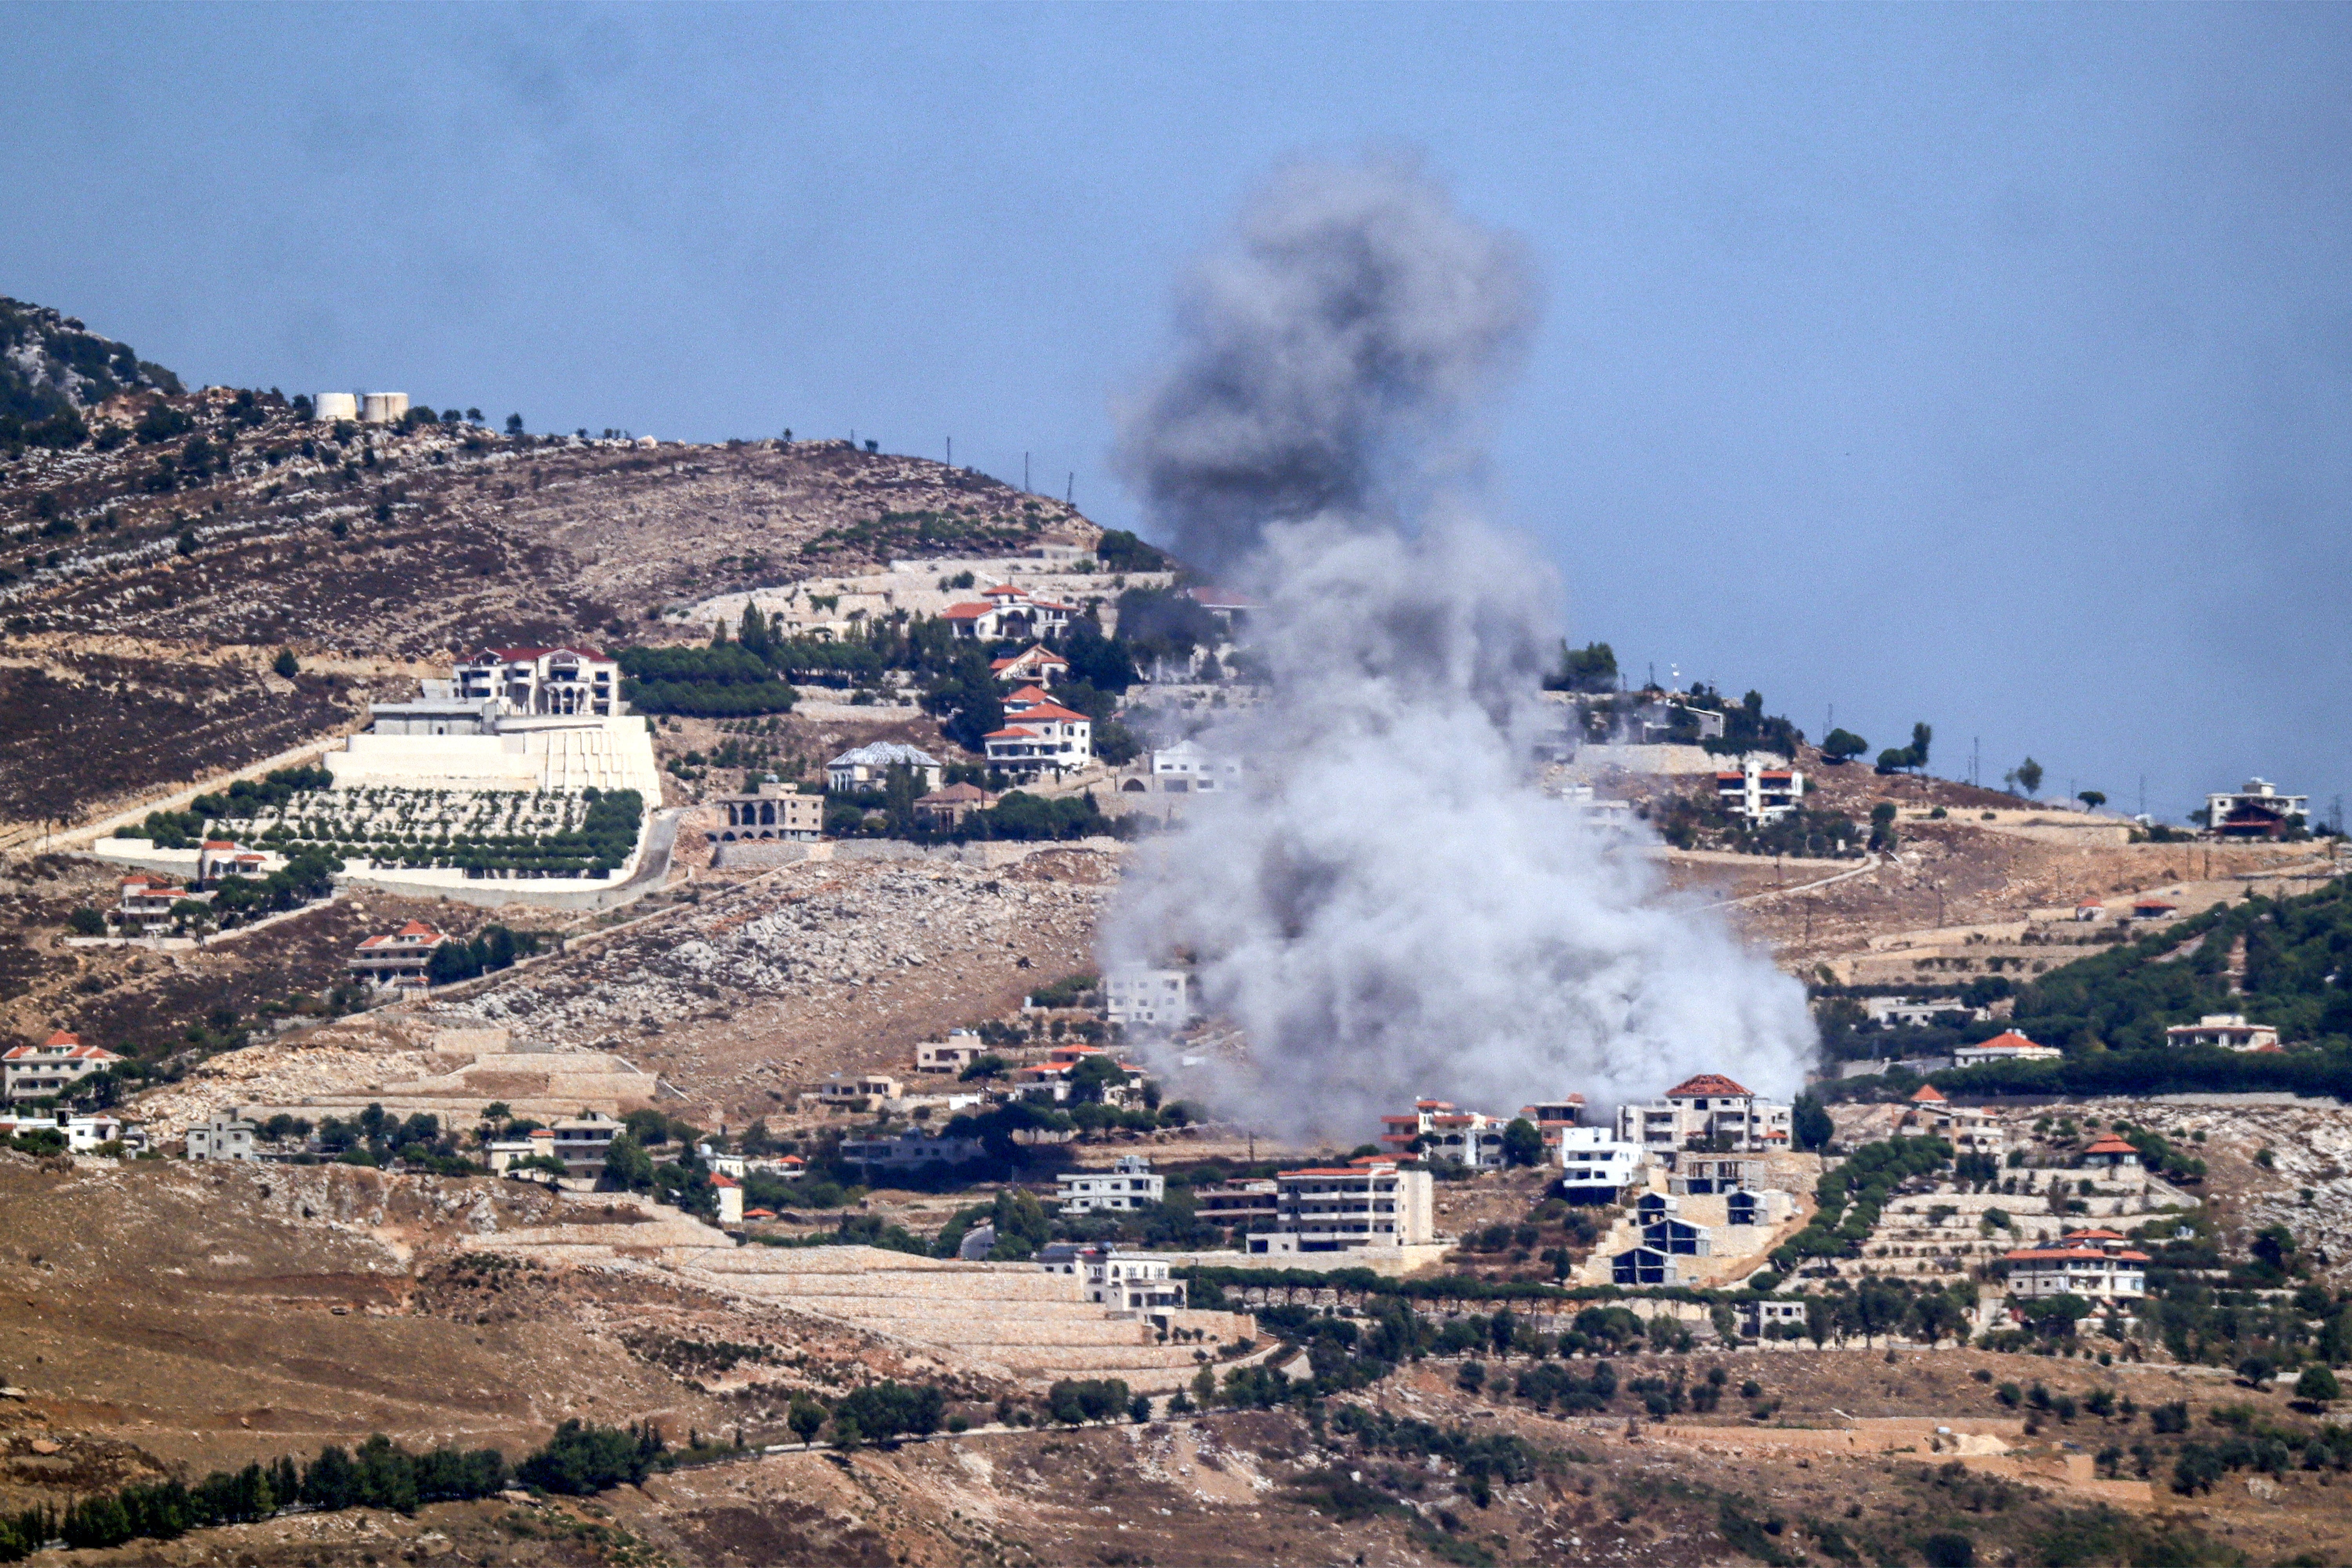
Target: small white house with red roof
{"x":1009,"y":613}
{"x":2111,"y":1153}
{"x":219,"y":858}
{"x":52,"y":1067}
{"x":145,"y":903}
{"x":551,"y":680}
{"x":2006,"y":1047}
{"x":1929,"y":1114}
{"x":730,"y":1199}
{"x":397,"y":958}
{"x":1040,"y":734}
{"x":1036,"y":665}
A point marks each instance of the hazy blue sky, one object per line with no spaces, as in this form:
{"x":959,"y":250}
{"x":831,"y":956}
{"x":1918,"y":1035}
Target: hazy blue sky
{"x":1989,"y":365}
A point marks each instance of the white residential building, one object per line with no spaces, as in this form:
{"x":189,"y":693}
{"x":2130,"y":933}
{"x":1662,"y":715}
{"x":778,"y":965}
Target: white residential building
{"x":1704,"y":1107}
{"x":1369,"y":1202}
{"x":1758,"y":793}
{"x":1440,"y":1129}
{"x":145,"y":905}
{"x":1036,"y":665}
{"x":81,"y":1134}
{"x":1159,"y":997}
{"x":1131,"y":1284}
{"x":397,"y":958}
{"x":218,"y":857}
{"x":2257,"y":811}
{"x":52,"y":1067}
{"x":1128,"y":1186}
{"x":225,"y":1136}
{"x":1189,"y":767}
{"x":582,"y":1141}
{"x":2007,"y":1046}
{"x":1039,"y":734}
{"x":1595,"y":1166}
{"x":2229,"y":1031}
{"x":543,"y":680}
{"x":2100,"y":1265}
{"x":1970,"y":1130}
{"x":868,"y":767}
{"x":1007,"y":614}
{"x":1902,"y":1010}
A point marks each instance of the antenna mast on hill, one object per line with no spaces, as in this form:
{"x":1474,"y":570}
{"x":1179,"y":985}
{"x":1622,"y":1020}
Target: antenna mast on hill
{"x":1071,"y":498}
{"x":950,"y":451}
{"x":1024,"y":473}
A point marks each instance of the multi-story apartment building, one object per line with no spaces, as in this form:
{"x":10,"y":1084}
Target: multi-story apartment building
{"x":1371,"y":1202}
{"x":1129,"y":1184}
{"x":1704,"y":1110}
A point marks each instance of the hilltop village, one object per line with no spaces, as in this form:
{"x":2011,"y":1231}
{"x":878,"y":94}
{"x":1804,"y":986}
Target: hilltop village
{"x":644,"y":1020}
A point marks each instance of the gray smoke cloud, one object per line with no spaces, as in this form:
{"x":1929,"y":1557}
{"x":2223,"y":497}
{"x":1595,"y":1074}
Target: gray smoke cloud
{"x":1390,"y":906}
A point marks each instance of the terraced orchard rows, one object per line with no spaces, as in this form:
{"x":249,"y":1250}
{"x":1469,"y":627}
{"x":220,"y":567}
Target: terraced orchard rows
{"x":552,"y":833}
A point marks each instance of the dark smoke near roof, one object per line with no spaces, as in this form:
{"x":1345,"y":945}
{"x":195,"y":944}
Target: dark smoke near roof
{"x":1390,"y":906}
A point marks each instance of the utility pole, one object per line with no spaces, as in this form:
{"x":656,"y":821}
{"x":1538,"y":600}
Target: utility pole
{"x":950,"y":451}
{"x":1070,"y":497}
{"x":1024,"y":473}
{"x":2143,"y":795}
{"x":1976,"y":780}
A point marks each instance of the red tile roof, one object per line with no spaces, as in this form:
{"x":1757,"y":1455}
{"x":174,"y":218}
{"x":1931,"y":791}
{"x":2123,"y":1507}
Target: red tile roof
{"x":63,"y":1037}
{"x":1011,"y":732}
{"x":2066,"y":1254}
{"x":2110,"y":1144}
{"x":1706,"y":1083}
{"x":2007,"y":1039}
{"x":1927,"y":1092}
{"x":967,"y":612}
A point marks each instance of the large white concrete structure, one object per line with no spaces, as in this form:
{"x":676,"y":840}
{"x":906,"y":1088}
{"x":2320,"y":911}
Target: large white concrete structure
{"x":521,"y":754}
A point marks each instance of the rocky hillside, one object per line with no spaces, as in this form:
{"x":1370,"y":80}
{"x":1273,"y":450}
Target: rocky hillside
{"x":152,"y":569}
{"x":52,"y":368}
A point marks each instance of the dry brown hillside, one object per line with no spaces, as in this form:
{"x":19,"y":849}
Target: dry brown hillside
{"x":147,"y":587}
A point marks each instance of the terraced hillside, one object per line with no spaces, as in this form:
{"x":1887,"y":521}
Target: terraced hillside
{"x":151,"y":574}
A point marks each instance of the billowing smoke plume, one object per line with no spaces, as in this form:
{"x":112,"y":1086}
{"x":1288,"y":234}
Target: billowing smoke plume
{"x":1390,"y":906}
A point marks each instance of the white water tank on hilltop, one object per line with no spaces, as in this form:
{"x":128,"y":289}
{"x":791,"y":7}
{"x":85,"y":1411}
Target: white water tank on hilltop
{"x":384,"y":407}
{"x":335,"y":406}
